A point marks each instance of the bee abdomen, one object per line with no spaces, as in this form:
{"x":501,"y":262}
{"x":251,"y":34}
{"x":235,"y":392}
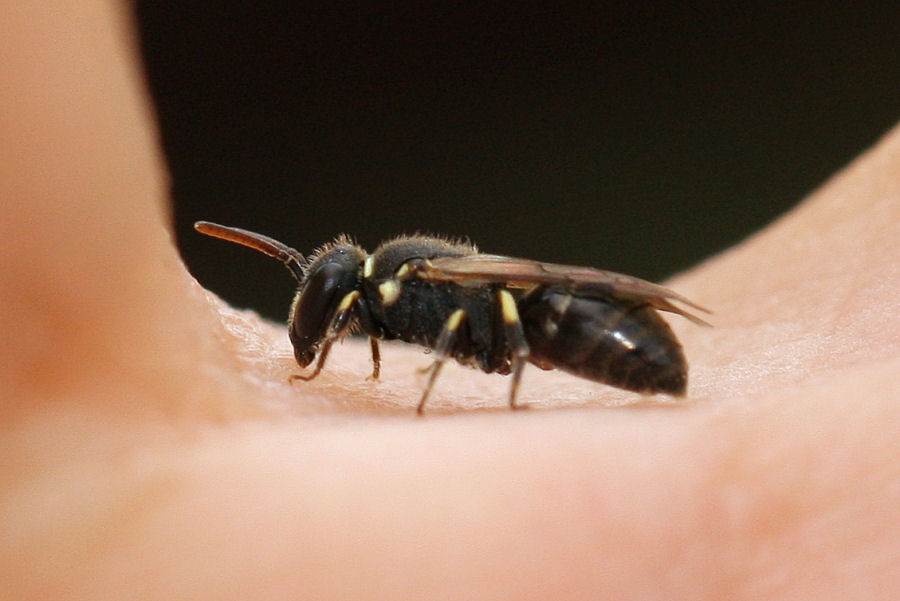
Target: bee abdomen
{"x":609,"y":340}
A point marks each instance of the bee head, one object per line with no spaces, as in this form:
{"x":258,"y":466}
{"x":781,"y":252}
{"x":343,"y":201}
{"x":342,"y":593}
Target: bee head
{"x":325,"y":278}
{"x":330,"y":274}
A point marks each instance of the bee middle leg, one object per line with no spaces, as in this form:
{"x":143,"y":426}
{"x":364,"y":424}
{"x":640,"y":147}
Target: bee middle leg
{"x":441,"y":349}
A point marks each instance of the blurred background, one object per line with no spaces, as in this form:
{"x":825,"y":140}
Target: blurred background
{"x":631,"y":136}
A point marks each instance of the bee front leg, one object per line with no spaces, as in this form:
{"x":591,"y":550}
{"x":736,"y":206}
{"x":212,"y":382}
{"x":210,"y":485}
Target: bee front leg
{"x":441,"y":349}
{"x":376,"y":359}
{"x":323,"y":354}
{"x":337,"y":327}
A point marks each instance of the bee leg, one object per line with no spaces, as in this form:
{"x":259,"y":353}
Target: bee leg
{"x":515,"y":340}
{"x":376,"y":359}
{"x":441,"y":348}
{"x":338,"y":326}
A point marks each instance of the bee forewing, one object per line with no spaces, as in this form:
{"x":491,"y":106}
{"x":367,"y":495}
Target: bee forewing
{"x":524,"y":273}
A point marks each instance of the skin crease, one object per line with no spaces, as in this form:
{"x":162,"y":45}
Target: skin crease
{"x":152,"y":448}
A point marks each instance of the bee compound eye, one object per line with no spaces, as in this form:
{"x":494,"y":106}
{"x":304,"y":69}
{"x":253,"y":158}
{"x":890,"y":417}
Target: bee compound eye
{"x":315,"y":306}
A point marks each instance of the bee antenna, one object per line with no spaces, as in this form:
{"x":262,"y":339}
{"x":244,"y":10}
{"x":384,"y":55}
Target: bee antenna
{"x":291,"y":258}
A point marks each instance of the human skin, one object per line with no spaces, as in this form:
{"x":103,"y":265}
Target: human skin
{"x":152,"y":447}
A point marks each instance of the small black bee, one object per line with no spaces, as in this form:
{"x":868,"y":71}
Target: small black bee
{"x":486,"y":311}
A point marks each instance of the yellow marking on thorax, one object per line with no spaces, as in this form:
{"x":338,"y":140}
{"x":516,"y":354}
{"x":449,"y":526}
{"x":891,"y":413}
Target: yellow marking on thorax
{"x":389,"y":291}
{"x":369,"y":267}
{"x":403,"y":271}
{"x":408,"y":269}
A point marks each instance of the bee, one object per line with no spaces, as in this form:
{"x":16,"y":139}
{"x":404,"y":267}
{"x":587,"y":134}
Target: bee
{"x":490,"y":312}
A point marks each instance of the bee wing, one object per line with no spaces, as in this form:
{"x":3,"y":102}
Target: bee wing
{"x":524,"y":273}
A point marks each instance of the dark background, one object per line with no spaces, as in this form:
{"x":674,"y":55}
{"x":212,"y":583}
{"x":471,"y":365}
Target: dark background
{"x":631,"y":136}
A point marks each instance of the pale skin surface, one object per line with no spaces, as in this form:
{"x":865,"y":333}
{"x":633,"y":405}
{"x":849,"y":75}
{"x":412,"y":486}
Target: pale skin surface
{"x":151,"y":447}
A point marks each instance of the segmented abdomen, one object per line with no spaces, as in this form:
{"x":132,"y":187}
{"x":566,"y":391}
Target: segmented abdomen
{"x":615,"y":341}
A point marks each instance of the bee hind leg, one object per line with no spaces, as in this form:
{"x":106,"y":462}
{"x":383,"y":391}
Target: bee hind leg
{"x":515,"y":340}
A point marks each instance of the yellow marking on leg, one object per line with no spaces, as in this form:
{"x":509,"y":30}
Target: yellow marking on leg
{"x":389,"y":291}
{"x":348,"y":301}
{"x":369,"y":267}
{"x":454,"y":320}
{"x":560,"y":303}
{"x":442,"y":346}
{"x":515,"y":338}
{"x":508,"y":307}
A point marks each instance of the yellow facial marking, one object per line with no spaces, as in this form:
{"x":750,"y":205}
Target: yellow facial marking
{"x":389,"y":291}
{"x":508,"y":307}
{"x":455,"y":319}
{"x":369,"y":267}
{"x":348,"y":300}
